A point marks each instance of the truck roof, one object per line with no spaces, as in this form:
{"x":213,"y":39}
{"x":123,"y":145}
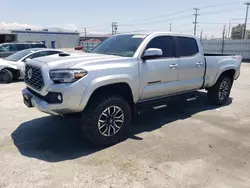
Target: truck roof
{"x":160,"y":33}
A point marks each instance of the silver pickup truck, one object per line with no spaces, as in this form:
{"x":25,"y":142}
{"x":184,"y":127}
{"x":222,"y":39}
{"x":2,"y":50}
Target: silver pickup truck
{"x":124,"y":75}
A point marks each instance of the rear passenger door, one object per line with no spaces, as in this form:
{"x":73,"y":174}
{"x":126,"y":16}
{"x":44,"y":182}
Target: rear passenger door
{"x":191,"y":64}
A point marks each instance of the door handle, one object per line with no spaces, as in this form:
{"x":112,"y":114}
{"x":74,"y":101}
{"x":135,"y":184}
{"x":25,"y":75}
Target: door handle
{"x":173,"y":66}
{"x":199,"y":64}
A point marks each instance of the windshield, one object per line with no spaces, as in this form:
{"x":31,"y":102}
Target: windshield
{"x":18,"y":55}
{"x":121,"y":45}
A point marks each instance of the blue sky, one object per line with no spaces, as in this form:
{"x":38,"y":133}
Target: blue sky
{"x":131,"y":15}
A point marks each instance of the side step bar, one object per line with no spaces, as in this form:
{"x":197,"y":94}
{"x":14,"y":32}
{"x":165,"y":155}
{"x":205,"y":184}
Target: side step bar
{"x":163,"y":102}
{"x":159,"y":107}
{"x":191,"y":99}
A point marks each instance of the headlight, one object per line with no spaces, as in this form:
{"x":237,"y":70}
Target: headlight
{"x":67,"y":76}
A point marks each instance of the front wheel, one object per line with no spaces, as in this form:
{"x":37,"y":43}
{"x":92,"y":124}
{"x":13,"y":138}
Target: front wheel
{"x":106,"y":120}
{"x":219,"y":93}
{"x":5,"y":76}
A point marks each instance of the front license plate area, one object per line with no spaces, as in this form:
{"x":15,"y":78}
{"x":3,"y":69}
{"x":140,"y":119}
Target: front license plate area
{"x":27,"y":100}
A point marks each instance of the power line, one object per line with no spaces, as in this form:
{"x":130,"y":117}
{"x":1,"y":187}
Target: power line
{"x":171,"y":14}
{"x":219,"y":23}
{"x":98,"y":26}
{"x":228,"y":10}
{"x":159,"y":20}
{"x":157,"y":17}
{"x":220,"y":5}
{"x":181,"y":11}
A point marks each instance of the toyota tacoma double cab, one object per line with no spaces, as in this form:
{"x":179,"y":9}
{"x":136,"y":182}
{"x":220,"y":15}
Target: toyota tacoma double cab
{"x":125,"y":74}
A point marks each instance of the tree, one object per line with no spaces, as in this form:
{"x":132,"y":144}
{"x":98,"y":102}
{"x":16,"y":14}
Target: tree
{"x":237,"y":31}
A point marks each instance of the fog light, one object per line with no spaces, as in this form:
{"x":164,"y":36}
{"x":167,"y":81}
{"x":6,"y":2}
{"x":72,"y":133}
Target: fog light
{"x":59,"y":97}
{"x":54,"y":98}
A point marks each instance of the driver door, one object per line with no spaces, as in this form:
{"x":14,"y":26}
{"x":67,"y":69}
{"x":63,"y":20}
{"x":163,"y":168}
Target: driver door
{"x":159,"y":76}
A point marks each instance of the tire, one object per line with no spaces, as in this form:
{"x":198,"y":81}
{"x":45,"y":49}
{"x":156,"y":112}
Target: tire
{"x":219,"y":93}
{"x":97,"y":124}
{"x":6,"y":76}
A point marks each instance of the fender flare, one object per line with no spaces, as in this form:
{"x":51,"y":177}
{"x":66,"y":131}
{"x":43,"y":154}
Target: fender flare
{"x":104,"y":81}
{"x":222,"y":70}
{"x":8,"y":66}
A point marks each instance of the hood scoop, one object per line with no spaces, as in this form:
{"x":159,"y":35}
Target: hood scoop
{"x":63,"y":55}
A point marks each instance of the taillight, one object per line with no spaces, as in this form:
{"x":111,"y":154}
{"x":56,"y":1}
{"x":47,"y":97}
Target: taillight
{"x":238,"y":57}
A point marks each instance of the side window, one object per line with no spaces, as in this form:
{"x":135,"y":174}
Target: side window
{"x":12,"y":48}
{"x":38,"y":54}
{"x":27,"y":46}
{"x":20,"y":47}
{"x":187,"y":46}
{"x":40,"y":46}
{"x":165,"y":43}
{"x":33,"y":45}
{"x":53,"y":52}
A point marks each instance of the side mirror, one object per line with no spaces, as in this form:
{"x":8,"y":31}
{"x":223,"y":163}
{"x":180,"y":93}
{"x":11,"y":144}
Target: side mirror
{"x":27,"y":59}
{"x":152,"y":53}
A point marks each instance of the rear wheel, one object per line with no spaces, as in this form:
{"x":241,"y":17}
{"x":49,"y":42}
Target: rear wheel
{"x":219,"y":93}
{"x":6,"y":76}
{"x":106,"y":120}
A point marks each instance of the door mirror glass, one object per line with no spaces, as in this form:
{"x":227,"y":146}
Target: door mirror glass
{"x":152,"y":53}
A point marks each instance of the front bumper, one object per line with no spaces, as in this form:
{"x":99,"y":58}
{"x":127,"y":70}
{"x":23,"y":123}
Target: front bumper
{"x":72,"y":96}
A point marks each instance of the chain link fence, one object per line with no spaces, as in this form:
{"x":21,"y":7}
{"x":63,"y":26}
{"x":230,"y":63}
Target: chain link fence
{"x":88,"y":46}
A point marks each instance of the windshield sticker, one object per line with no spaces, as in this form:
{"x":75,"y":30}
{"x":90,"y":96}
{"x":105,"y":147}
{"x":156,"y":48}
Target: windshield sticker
{"x":139,"y":36}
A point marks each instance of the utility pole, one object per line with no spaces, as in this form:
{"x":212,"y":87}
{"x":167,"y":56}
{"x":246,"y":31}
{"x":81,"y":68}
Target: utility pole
{"x":85,"y":33}
{"x":245,"y":26}
{"x":170,"y":27}
{"x":229,"y":28}
{"x":114,"y":28}
{"x":223,"y":39}
{"x":195,"y":19}
{"x":201,"y":35}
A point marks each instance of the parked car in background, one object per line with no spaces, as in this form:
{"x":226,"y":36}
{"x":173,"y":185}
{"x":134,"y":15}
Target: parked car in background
{"x":79,"y":47}
{"x":7,"y":49}
{"x":12,"y":67}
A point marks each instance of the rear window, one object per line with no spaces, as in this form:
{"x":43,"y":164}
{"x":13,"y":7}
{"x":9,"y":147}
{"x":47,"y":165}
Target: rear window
{"x":187,"y":46}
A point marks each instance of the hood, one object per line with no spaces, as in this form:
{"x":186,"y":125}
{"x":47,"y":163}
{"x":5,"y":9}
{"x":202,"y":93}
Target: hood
{"x":10,"y":64}
{"x":58,"y":62}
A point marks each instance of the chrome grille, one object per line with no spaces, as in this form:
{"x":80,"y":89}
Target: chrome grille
{"x":33,"y":77}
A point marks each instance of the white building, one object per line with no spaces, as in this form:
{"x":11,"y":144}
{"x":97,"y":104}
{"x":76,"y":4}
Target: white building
{"x":52,"y":39}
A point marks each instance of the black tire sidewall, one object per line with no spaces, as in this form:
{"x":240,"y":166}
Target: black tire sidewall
{"x":10,"y":76}
{"x":214,"y":92}
{"x":92,"y":124}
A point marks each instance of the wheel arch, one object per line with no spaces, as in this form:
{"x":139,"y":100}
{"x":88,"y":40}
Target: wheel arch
{"x":122,"y":86}
{"x":230,"y":71}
